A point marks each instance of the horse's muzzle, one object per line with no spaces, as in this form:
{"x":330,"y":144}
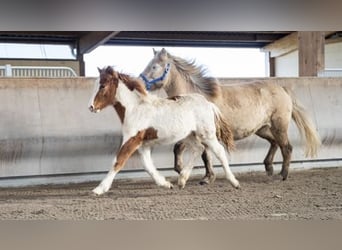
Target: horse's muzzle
{"x":92,"y":109}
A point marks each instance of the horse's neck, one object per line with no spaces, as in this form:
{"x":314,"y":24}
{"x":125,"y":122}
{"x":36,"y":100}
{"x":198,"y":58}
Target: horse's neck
{"x":127,"y":98}
{"x":120,"y":110}
{"x":177,"y":85}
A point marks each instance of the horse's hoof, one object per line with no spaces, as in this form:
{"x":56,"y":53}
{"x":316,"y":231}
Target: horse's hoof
{"x":269,"y":170}
{"x":168,"y":185}
{"x":284,"y":174}
{"x":207,"y":180}
{"x":204,"y":182}
{"x":235,"y":184}
{"x":181,"y":183}
{"x":93,"y":194}
{"x":269,"y":173}
{"x":98,"y":191}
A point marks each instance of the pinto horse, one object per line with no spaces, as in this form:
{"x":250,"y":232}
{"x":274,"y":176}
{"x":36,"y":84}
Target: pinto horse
{"x":260,"y":108}
{"x":148,"y":120}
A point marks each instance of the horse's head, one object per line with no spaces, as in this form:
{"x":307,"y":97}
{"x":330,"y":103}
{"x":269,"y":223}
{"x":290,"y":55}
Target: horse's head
{"x":105,"y":89}
{"x":156,"y":73}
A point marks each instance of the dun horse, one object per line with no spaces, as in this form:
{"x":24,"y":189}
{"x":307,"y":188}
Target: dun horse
{"x":148,"y":120}
{"x":264,"y":109}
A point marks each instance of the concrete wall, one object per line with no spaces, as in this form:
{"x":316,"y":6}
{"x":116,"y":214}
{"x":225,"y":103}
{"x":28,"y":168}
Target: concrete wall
{"x":47,"y":131}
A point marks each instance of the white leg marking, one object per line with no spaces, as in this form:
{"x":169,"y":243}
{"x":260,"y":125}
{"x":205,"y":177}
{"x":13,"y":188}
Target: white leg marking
{"x":184,"y":175}
{"x":219,"y":152}
{"x":106,"y":183}
{"x":196,"y":148}
{"x":145,"y":154}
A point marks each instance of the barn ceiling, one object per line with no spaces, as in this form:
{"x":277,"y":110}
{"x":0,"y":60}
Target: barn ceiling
{"x":87,"y":41}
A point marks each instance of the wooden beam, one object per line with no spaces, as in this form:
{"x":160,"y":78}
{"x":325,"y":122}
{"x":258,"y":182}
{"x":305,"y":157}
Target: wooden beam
{"x":311,"y":52}
{"x":286,"y":44}
{"x":90,"y":41}
{"x":282,"y":46}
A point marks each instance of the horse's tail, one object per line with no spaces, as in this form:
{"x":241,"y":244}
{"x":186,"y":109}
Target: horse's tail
{"x":223,"y":130}
{"x":305,"y":126}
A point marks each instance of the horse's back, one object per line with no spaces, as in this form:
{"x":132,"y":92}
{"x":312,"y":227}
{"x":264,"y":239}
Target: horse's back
{"x":250,"y":106}
{"x":177,"y":115}
{"x":258,"y":94}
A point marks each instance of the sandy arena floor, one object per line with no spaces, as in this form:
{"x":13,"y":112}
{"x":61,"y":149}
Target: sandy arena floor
{"x":307,"y":194}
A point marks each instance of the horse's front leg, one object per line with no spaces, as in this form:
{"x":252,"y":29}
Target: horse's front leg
{"x":145,"y":154}
{"x":126,"y":150}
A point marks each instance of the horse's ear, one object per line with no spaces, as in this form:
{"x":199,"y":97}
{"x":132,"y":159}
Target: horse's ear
{"x":114,"y":73}
{"x":163,"y":51}
{"x":99,"y":69}
{"x":109,"y":70}
{"x":154,"y":51}
{"x":163,"y":54}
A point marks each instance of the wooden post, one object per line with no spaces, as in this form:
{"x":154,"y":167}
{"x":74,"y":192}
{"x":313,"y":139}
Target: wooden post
{"x":311,"y":52}
{"x":81,"y":64}
{"x":270,"y":64}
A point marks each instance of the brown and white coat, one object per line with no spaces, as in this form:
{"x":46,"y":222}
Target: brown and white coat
{"x":148,"y":120}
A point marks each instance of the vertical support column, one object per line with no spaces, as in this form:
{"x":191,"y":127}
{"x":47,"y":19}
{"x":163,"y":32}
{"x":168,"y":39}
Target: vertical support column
{"x":270,"y":65}
{"x":81,"y":64}
{"x":311,"y":52}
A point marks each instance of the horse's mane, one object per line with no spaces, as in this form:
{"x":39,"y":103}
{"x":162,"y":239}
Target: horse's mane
{"x":132,"y":83}
{"x":196,"y":76}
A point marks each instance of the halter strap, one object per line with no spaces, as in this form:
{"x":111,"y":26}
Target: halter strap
{"x":149,"y":83}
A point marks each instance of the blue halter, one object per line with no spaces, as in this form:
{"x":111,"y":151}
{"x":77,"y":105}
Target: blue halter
{"x":149,"y":83}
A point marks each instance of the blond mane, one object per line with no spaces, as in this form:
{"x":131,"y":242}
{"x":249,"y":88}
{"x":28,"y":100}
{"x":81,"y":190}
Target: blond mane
{"x":196,"y":76}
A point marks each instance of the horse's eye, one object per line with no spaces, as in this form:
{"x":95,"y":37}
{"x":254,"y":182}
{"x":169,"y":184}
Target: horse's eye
{"x":154,"y":67}
{"x":102,"y":86}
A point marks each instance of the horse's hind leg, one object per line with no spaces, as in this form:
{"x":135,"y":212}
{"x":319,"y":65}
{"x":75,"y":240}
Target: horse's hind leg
{"x":279,"y":132}
{"x":219,"y":152}
{"x":195,"y":147}
{"x":209,"y":171}
{"x":178,"y":151}
{"x":266,"y":133}
{"x":286,"y":151}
